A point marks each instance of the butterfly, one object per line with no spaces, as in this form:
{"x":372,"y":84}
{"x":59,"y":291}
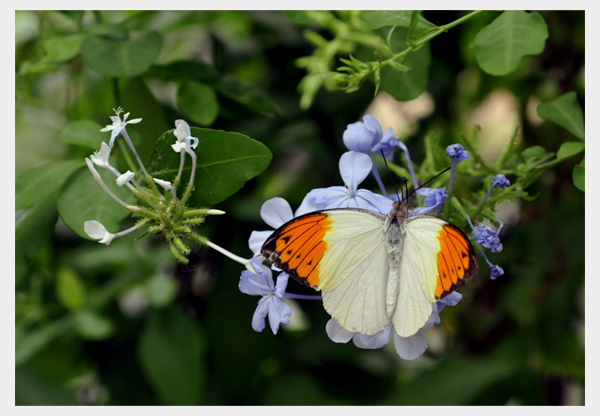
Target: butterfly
{"x":374,"y":269}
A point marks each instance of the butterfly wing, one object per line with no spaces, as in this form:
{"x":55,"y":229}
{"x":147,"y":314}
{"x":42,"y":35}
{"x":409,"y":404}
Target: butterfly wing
{"x":342,"y":253}
{"x":437,"y":258}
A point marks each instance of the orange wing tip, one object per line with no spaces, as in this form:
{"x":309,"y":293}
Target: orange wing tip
{"x":297,"y":247}
{"x":456,"y":260}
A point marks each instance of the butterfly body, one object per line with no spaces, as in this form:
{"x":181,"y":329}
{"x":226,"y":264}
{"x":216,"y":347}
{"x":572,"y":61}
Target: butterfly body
{"x":374,"y":269}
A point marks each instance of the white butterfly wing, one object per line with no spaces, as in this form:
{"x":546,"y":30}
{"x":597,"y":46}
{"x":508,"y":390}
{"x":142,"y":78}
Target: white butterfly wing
{"x":437,"y":258}
{"x":417,"y":272}
{"x":350,"y":266}
{"x":354,"y":271}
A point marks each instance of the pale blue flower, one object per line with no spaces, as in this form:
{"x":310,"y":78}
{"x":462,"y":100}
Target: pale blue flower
{"x":500,"y":181}
{"x":487,"y":236}
{"x":388,"y":144}
{"x":354,"y":168}
{"x":496,"y":270}
{"x":362,"y":136}
{"x":457,"y":153}
{"x":368,"y":136}
{"x":407,"y":348}
{"x":275,"y":212}
{"x":434,"y":199}
{"x":271,"y":304}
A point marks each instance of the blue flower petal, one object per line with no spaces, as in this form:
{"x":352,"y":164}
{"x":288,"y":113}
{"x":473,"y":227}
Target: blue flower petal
{"x":411,"y":347}
{"x":337,"y":333}
{"x":354,"y":168}
{"x":388,"y":144}
{"x":373,"y":202}
{"x":500,"y":181}
{"x":452,"y":299}
{"x":256,"y":284}
{"x":282,"y":281}
{"x":457,"y":153}
{"x":275,"y":212}
{"x":279,"y":312}
{"x":372,"y":342}
{"x":257,"y":239}
{"x":373,"y":125}
{"x":361,"y":137}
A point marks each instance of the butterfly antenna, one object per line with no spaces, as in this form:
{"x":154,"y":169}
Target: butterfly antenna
{"x":422,"y":185}
{"x":404,"y":182}
{"x":390,"y":174}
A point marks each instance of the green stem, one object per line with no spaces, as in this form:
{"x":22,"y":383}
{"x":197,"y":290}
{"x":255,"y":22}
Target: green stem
{"x":444,"y":28}
{"x":417,"y":44}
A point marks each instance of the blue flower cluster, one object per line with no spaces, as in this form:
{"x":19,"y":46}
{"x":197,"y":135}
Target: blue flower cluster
{"x":362,"y":139}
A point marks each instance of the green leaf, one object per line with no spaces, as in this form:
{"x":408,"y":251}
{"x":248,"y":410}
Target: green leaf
{"x":118,"y":55}
{"x":30,"y":341}
{"x":408,"y":85}
{"x":70,"y":290}
{"x":33,"y":230}
{"x":500,"y":46}
{"x":170,"y":352}
{"x":181,"y":71}
{"x":579,"y":175}
{"x":32,"y":389}
{"x":533,"y":151}
{"x":225,"y":162}
{"x":566,"y":112}
{"x":92,"y":326}
{"x":83,"y":199}
{"x":376,"y":19}
{"x":245,"y":94}
{"x":298,"y":16}
{"x":84,"y":133}
{"x":63,"y":48}
{"x":199,"y":102}
{"x":240,"y":92}
{"x":39,"y":183}
{"x":568,"y":149}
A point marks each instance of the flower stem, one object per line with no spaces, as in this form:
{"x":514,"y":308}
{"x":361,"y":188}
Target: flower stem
{"x":232,"y":256}
{"x":181,"y":164}
{"x":306,"y":297}
{"x":137,"y":157}
{"x":190,"y":186}
{"x":378,"y":178}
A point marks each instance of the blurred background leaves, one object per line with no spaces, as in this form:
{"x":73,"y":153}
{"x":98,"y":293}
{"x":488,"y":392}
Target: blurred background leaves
{"x":126,"y":325}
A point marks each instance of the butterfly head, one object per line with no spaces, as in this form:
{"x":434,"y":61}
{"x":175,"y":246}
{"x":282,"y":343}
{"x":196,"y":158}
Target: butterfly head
{"x":399,"y":209}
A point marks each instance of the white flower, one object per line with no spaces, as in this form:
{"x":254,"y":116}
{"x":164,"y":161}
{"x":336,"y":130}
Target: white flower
{"x":97,"y":231}
{"x":215,"y":212}
{"x":95,"y":173}
{"x":184,"y":137}
{"x":125,"y":178}
{"x":118,"y":125}
{"x":165,"y":184}
{"x":100,"y":157}
{"x":179,"y":146}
